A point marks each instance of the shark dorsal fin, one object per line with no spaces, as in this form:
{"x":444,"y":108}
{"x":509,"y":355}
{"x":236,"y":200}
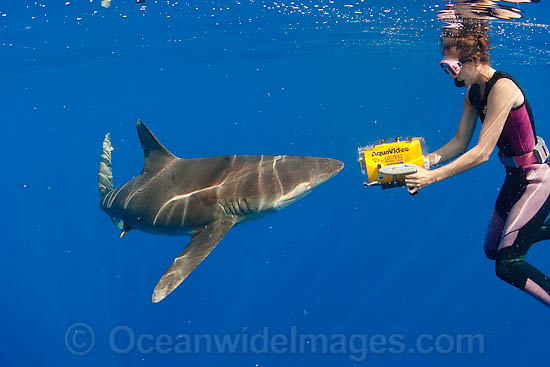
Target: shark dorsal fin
{"x":156,"y":155}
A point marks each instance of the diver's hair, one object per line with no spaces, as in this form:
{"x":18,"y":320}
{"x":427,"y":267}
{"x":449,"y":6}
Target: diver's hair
{"x":471,"y":43}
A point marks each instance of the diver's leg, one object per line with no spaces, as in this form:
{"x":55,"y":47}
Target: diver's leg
{"x":512,"y":268}
{"x":511,"y":191}
{"x":496,"y":225}
{"x":543,"y":233}
{"x":521,"y":230}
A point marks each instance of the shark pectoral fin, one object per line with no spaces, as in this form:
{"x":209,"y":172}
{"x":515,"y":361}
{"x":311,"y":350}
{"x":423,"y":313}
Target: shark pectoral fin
{"x":201,"y":244}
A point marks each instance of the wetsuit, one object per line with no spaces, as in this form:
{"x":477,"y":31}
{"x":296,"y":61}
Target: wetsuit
{"x":523,"y":202}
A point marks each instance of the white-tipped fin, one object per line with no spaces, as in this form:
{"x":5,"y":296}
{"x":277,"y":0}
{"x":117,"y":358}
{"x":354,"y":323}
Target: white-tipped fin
{"x":202,"y":243}
{"x":105,"y":174}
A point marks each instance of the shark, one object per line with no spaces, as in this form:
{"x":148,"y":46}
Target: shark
{"x":202,"y":197}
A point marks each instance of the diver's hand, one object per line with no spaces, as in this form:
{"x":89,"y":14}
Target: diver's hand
{"x":431,"y":160}
{"x":419,"y":180}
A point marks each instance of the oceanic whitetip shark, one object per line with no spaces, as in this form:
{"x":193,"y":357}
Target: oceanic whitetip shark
{"x":202,"y":197}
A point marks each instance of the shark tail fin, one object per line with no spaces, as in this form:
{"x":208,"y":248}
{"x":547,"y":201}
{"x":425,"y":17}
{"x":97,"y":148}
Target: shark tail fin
{"x":105,"y":181}
{"x":105,"y":174}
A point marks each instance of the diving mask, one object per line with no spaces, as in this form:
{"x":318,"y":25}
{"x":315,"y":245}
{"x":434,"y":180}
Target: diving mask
{"x":451,"y":67}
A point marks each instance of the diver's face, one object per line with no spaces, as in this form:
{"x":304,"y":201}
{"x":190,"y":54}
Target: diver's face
{"x":468,"y":73}
{"x":463,"y":74}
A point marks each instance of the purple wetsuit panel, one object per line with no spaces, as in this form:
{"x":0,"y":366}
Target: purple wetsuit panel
{"x":517,"y":136}
{"x":535,"y":194}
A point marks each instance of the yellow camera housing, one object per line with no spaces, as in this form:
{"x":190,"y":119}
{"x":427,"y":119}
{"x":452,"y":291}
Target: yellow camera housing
{"x":399,"y":154}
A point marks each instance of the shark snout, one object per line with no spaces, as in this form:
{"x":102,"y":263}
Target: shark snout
{"x":324,"y":169}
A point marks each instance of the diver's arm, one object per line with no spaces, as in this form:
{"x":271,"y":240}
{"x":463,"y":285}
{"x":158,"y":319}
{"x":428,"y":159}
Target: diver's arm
{"x":503,"y":97}
{"x":458,"y":144}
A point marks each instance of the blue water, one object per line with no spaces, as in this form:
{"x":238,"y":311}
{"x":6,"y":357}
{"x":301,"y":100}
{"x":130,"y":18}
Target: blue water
{"x":378,"y":269}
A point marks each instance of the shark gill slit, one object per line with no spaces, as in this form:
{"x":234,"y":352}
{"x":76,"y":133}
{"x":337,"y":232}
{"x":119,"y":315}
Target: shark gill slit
{"x":247,"y":205}
{"x":241,"y":210}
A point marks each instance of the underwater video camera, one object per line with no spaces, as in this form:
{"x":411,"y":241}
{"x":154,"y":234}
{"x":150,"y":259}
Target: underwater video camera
{"x":387,"y":164}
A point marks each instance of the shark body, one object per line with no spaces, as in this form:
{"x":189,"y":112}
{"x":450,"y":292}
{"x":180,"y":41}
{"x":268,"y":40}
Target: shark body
{"x":203,"y":197}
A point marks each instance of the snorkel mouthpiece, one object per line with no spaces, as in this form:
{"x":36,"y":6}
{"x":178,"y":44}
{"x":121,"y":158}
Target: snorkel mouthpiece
{"x":453,"y":68}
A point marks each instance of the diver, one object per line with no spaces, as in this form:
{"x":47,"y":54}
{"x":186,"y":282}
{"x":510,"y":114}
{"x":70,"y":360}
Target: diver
{"x":507,"y":122}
